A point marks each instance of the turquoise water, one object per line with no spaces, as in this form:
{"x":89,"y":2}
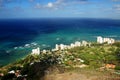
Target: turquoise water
{"x":45,"y":33}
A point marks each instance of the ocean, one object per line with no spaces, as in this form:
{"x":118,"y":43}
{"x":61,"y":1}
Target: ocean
{"x":19,"y":36}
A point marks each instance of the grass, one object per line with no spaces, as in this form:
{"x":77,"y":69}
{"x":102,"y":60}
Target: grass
{"x":94,"y":57}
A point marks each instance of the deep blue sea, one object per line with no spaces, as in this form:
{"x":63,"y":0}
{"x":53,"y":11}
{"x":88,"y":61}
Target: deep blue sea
{"x":19,"y":36}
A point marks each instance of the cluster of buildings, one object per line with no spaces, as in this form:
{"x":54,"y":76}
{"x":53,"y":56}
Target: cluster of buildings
{"x":76,"y":44}
{"x":105,"y":40}
{"x":62,"y":47}
{"x":72,"y":45}
{"x":36,"y":51}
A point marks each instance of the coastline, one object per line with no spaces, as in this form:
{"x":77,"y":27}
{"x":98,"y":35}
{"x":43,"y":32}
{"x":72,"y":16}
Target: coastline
{"x":78,"y":57}
{"x":100,"y":40}
{"x":46,"y":36}
{"x":17,"y":34}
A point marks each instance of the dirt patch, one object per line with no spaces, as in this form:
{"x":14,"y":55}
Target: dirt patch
{"x":81,"y":76}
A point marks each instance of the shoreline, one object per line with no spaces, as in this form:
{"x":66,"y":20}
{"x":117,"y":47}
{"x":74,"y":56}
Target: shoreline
{"x":79,"y":57}
{"x":100,"y":40}
{"x":38,"y":50}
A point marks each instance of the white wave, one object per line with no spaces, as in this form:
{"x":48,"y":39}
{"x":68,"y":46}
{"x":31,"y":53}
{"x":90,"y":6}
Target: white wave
{"x":44,"y":45}
{"x":113,"y":36}
{"x":34,"y":43}
{"x":8,"y":51}
{"x":21,"y":47}
{"x":57,"y":39}
{"x":15,"y":47}
{"x":27,"y":45}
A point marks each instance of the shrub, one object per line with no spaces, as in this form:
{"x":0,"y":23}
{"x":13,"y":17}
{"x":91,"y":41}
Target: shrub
{"x":8,"y":77}
{"x":117,"y":68}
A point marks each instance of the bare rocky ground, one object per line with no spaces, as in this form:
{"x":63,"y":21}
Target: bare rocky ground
{"x":82,"y":75}
{"x":77,"y":76}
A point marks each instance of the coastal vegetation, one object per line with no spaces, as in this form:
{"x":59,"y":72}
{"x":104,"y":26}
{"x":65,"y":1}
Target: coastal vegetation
{"x":97,"y":58}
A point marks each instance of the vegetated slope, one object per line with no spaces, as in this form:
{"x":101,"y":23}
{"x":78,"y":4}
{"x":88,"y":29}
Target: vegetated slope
{"x":60,"y":65}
